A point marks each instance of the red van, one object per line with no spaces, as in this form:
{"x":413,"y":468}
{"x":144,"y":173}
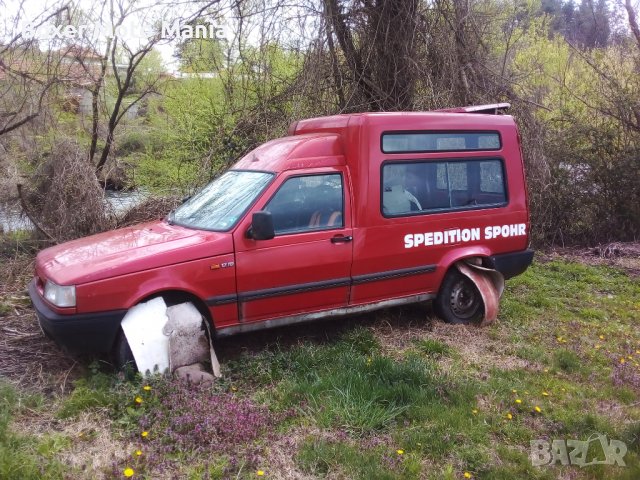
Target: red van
{"x":347,"y":214}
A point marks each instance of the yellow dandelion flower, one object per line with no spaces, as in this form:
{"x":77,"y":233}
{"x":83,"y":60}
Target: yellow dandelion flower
{"x":546,"y":394}
{"x":144,"y":434}
{"x":138,"y":453}
{"x":128,"y":472}
{"x":601,"y":337}
{"x":400,"y":452}
{"x":630,"y":357}
{"x":474,"y":411}
{"x":509,"y":416}
{"x":638,"y":352}
{"x":559,"y":339}
{"x":518,"y":400}
{"x":537,"y":409}
{"x":138,"y":400}
{"x":260,"y":473}
{"x":622,"y":360}
{"x":147,"y":388}
{"x":467,"y":475}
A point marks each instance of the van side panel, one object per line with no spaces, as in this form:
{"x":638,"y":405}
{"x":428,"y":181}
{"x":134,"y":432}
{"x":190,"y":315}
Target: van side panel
{"x":407,"y":255}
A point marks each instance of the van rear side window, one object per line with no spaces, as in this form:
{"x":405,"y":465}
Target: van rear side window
{"x":412,"y":188}
{"x":422,"y":142}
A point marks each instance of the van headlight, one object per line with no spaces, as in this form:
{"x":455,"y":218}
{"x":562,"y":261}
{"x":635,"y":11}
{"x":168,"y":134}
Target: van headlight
{"x":59,"y":295}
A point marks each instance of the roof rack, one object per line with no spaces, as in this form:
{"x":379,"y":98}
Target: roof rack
{"x":494,"y":109}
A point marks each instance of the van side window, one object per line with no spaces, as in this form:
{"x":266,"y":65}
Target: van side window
{"x":419,"y":142}
{"x":410,"y":188}
{"x":307,"y":203}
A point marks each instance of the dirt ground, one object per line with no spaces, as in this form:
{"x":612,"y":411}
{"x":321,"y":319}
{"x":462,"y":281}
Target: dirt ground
{"x":27,"y":358}
{"x":624,"y":255}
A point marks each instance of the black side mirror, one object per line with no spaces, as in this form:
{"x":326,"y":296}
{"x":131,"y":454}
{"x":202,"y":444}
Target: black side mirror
{"x":262,"y":226}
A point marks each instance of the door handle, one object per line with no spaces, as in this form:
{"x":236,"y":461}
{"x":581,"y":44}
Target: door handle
{"x":341,"y":239}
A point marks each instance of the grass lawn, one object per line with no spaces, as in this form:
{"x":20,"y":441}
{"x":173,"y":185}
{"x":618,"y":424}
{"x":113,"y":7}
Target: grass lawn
{"x":396,"y":394}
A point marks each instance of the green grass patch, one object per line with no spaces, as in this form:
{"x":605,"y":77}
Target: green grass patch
{"x":567,"y":361}
{"x":89,"y":394}
{"x":25,"y":456}
{"x":434,"y":348}
{"x":104,"y":391}
{"x":566,"y":343}
{"x":320,"y":457}
{"x":351,"y":386}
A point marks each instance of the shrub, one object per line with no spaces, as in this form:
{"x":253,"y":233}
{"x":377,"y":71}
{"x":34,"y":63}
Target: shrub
{"x":64,"y":197}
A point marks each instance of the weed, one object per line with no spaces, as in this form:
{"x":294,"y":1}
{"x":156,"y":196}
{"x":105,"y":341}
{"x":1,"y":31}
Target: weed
{"x":320,"y":457}
{"x":434,"y":348}
{"x":5,"y":309}
{"x":177,"y":422}
{"x":27,"y":457}
{"x":86,"y":397}
{"x":340,"y":386}
{"x":567,"y":360}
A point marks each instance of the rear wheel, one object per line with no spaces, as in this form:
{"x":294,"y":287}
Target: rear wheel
{"x":459,"y":300}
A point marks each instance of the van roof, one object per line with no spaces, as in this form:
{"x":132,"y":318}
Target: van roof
{"x":299,"y":151}
{"x":317,"y":142}
{"x":461,"y":118}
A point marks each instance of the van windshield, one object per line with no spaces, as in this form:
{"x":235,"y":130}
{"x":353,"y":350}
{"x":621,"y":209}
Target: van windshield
{"x":220,"y":205}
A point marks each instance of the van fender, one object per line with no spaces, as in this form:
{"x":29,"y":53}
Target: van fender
{"x":178,"y":290}
{"x":489,"y":282}
{"x":157,"y":286}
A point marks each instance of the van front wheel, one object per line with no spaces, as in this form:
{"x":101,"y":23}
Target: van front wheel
{"x":122,"y":355}
{"x":459,"y":300}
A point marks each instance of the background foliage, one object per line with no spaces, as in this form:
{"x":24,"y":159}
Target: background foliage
{"x":570,"y":71}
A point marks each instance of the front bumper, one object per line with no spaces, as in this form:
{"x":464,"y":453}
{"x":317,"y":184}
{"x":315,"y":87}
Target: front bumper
{"x":78,"y":333}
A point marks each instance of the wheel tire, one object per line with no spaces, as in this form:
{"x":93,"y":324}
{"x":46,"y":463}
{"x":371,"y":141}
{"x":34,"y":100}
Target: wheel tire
{"x":459,"y":301}
{"x":122,"y":355}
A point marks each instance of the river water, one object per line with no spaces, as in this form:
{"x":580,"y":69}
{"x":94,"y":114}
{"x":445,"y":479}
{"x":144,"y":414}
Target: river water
{"x":12,"y":220}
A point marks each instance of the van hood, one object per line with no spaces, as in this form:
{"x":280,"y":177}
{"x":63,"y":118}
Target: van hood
{"x":128,"y":250}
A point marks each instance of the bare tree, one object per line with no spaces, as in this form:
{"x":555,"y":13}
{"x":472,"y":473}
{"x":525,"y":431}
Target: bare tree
{"x":27,"y":74}
{"x":633,"y":22}
{"x":377,"y":40}
{"x":124,"y":72}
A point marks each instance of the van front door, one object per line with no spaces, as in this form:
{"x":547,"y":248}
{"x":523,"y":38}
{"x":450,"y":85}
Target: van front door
{"x":306,"y":268}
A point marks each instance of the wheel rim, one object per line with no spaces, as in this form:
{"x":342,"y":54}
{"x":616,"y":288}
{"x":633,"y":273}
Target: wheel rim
{"x":464,"y":299}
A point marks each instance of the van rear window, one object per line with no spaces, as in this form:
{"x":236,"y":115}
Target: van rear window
{"x":417,"y":187}
{"x":421,"y":142}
